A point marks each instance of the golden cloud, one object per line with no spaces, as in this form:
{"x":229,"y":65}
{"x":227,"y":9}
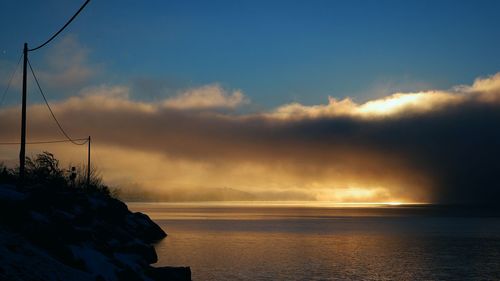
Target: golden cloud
{"x":209,"y":96}
{"x":413,"y":147}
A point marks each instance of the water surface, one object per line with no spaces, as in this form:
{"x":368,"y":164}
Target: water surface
{"x":294,"y":242}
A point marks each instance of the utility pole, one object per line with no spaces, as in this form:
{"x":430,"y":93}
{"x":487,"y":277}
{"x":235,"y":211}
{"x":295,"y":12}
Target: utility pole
{"x":88,"y":163}
{"x":22,"y":152}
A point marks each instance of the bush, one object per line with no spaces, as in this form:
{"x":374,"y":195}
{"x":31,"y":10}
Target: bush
{"x":95,"y":183}
{"x":7,"y":176}
{"x":43,"y":170}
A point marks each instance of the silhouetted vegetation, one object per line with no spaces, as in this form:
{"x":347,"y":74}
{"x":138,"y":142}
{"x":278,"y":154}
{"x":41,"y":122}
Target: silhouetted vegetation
{"x":57,"y":226}
{"x":44,"y":171}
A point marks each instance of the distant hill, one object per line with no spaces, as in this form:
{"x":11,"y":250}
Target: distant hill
{"x":207,"y":194}
{"x":186,"y":195}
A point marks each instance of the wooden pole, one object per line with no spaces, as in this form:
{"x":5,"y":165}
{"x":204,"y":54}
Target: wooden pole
{"x":22,"y":152}
{"x":88,"y":163}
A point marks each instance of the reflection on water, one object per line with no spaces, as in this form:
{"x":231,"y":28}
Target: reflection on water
{"x":231,"y":242}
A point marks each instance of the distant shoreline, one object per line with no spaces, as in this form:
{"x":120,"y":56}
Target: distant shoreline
{"x":285,"y":203}
{"x":377,"y":209}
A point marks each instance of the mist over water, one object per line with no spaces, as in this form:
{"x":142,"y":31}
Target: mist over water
{"x":291,"y":242}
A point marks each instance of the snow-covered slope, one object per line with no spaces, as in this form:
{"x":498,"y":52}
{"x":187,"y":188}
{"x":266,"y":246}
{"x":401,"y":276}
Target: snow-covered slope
{"x":50,"y":234}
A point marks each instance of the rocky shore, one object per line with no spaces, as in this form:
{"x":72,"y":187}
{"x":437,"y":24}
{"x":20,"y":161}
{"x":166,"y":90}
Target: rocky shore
{"x":61,"y":234}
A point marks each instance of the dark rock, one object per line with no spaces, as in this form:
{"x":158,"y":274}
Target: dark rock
{"x":147,"y":252}
{"x":170,"y":273}
{"x":145,"y":227}
{"x":93,"y":234}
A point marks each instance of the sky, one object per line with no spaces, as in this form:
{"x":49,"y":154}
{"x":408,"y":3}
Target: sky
{"x":275,"y":51}
{"x":267,"y":100}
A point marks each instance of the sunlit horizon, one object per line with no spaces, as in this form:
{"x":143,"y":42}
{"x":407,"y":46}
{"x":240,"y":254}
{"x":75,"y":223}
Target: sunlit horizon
{"x":325,"y":204}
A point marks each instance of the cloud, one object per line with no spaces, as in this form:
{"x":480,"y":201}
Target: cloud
{"x":62,"y":70}
{"x":206,"y":97}
{"x":392,"y":105}
{"x":486,"y":89}
{"x":67,"y":63}
{"x":433,"y":146}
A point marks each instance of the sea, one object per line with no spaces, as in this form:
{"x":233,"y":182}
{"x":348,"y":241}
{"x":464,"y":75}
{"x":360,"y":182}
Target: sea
{"x":302,"y":241}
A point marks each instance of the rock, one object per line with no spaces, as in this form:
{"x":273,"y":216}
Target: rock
{"x":88,"y":235}
{"x":146,"y":251}
{"x":170,"y":273}
{"x":8,"y":193}
{"x":145,"y":227}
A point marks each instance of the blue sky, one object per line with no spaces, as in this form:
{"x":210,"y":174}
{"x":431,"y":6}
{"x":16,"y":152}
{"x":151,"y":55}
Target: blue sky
{"x":189,"y":95}
{"x":274,"y":51}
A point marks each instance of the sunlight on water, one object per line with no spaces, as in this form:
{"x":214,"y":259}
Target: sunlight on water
{"x":320,"y":204}
{"x":295,"y":242}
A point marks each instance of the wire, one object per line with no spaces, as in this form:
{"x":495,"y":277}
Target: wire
{"x":62,"y":28}
{"x":45,"y":142}
{"x":10,"y":80}
{"x":50,"y":109}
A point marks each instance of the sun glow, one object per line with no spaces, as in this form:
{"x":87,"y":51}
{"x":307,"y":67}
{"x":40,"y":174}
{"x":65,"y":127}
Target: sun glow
{"x":391,"y":104}
{"x":396,"y":103}
{"x":394,"y":203}
{"x":309,"y":204}
{"x":352,"y":194}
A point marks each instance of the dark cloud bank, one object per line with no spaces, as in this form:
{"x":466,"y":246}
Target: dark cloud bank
{"x":450,"y":154}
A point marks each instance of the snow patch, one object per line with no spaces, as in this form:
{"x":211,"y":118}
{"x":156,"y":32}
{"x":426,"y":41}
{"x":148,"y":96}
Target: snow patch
{"x":96,"y":202}
{"x":96,"y":263}
{"x":8,"y":194}
{"x":39,"y":217}
{"x":130,"y":260}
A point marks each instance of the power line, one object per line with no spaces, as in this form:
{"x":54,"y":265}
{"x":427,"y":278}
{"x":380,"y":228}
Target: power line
{"x":62,"y":28}
{"x":46,"y":142}
{"x":50,"y":109}
{"x":10,"y":80}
